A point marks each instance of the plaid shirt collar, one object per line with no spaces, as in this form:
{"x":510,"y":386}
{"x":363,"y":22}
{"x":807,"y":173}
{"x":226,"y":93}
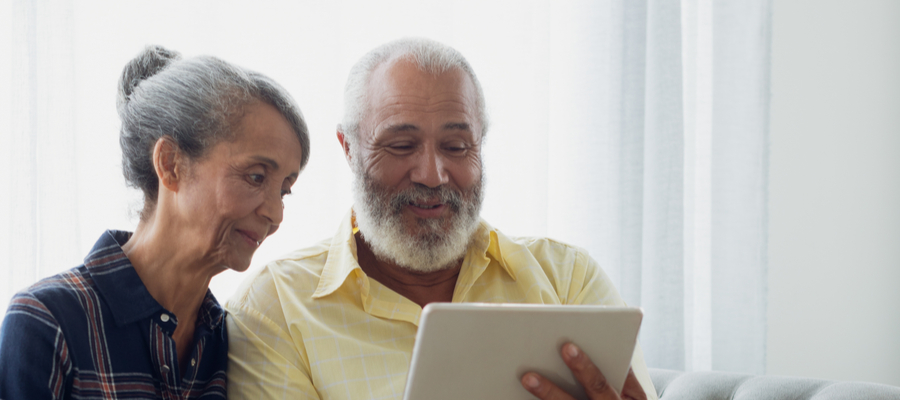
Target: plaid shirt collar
{"x":117,"y":280}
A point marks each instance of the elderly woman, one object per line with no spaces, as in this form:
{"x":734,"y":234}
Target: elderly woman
{"x":214,"y":148}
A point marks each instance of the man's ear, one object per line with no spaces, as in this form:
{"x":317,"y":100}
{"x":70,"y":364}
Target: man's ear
{"x":166,"y":160}
{"x":345,"y":144}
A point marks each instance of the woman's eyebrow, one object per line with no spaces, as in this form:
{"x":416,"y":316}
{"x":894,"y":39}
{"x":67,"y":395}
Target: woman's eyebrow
{"x":273,"y":165}
{"x":268,"y":161}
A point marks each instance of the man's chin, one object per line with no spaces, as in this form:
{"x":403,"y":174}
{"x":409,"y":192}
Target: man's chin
{"x":422,"y":235}
{"x":416,"y":248}
{"x":417,"y":226}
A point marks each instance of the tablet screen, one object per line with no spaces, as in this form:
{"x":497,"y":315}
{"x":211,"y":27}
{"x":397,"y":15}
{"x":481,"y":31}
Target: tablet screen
{"x":481,"y":351}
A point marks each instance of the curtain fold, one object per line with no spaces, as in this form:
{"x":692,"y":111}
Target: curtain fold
{"x":662,"y":279}
{"x":740,"y":113}
{"x":662,"y":174}
{"x":635,"y":129}
{"x":40,"y":188}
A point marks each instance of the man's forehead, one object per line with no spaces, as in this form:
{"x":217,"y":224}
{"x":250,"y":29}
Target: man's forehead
{"x":399,"y":119}
{"x":401,"y":96}
{"x":410,"y":127}
{"x":402,"y":77}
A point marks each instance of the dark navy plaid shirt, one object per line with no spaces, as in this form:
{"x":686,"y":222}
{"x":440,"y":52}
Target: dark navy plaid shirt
{"x":94,"y":332}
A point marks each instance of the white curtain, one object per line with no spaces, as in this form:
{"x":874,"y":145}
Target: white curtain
{"x":657,"y":164}
{"x":635,"y":129}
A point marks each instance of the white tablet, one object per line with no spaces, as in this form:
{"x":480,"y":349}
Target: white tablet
{"x":481,"y":351}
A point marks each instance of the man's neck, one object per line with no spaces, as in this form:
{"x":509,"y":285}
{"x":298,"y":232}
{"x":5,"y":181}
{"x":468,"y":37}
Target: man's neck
{"x":420,"y":287}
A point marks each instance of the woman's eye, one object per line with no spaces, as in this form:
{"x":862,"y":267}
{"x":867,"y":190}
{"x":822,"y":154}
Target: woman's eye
{"x":257,"y":178}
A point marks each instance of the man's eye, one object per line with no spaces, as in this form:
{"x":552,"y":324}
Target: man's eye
{"x":401,"y":148}
{"x":455,"y":149}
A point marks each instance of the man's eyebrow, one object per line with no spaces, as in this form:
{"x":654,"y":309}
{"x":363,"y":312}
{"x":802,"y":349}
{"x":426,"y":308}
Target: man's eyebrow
{"x":460,"y":126}
{"x":402,"y":128}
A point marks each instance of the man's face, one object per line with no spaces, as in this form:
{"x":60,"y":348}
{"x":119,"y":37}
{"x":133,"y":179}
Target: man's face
{"x":418,"y":166}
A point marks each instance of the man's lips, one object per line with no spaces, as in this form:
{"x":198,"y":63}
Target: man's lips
{"x":427,"y":209}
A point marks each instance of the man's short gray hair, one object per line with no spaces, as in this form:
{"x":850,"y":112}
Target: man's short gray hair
{"x":195,"y":102}
{"x":429,"y":56}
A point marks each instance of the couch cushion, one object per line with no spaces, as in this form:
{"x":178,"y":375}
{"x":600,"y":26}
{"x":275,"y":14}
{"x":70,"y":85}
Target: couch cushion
{"x":674,"y":385}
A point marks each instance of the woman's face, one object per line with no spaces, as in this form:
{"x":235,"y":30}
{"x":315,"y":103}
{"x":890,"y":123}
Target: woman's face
{"x":231,"y":199}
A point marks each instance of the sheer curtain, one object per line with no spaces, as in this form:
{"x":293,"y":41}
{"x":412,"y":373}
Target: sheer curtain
{"x":635,"y":129}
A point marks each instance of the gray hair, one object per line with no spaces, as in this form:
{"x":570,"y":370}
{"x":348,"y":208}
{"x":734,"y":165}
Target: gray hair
{"x":196,"y":102}
{"x":428,"y":55}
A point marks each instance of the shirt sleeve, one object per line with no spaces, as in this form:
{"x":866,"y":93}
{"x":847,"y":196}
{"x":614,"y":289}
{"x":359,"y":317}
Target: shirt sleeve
{"x":263,"y":362}
{"x":591,"y":285}
{"x":34,"y":361}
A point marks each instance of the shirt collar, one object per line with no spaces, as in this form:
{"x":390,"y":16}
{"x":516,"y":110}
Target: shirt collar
{"x":122,"y":288}
{"x":494,"y":245}
{"x":342,"y":260}
{"x":211,"y":312}
{"x":487,"y":244}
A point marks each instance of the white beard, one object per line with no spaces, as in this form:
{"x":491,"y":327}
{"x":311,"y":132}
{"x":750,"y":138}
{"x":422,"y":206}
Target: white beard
{"x":434,"y":243}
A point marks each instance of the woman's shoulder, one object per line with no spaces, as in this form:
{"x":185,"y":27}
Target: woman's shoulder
{"x":57,"y":295}
{"x":65,"y":283}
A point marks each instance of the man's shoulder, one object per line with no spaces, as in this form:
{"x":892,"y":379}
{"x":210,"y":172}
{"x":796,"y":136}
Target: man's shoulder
{"x":310,"y":258}
{"x":545,"y":246}
{"x":554,"y":268}
{"x":300,"y":270}
{"x":543,"y":241}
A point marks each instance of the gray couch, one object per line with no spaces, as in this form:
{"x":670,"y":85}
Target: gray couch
{"x":674,"y":385}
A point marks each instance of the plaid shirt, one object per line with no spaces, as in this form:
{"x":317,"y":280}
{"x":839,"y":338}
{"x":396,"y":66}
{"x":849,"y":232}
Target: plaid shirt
{"x":95,"y":332}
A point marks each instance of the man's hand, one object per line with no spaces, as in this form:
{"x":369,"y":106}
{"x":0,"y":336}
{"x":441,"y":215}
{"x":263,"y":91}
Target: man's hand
{"x":588,"y":375}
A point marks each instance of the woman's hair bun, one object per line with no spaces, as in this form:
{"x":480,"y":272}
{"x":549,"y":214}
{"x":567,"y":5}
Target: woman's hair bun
{"x":146,"y":64}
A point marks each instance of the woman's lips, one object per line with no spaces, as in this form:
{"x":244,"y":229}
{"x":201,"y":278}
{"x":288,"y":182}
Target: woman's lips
{"x":250,"y":237}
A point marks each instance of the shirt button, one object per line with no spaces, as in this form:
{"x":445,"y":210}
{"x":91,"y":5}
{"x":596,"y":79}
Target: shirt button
{"x":193,"y":362}
{"x":165,"y":369}
{"x":164,"y":318}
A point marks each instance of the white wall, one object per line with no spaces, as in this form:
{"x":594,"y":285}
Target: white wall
{"x":834,"y":269}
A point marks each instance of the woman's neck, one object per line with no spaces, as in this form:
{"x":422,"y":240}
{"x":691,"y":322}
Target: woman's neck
{"x":171,"y":270}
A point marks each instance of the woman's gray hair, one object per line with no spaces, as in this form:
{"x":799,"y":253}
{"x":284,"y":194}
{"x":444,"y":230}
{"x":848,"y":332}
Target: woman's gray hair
{"x":196,"y":102}
{"x":428,"y":55}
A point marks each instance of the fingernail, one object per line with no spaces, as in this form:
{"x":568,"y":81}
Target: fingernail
{"x":573,"y":350}
{"x":531,"y":382}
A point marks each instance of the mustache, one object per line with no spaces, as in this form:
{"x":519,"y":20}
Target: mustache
{"x":420,"y":193}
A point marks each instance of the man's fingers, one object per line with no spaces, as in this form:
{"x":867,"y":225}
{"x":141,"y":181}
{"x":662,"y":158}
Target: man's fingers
{"x":543,"y":388}
{"x":633,"y":389}
{"x":590,"y":377}
{"x":593,"y":381}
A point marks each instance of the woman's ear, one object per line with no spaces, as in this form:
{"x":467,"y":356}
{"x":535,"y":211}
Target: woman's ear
{"x":166,"y":161}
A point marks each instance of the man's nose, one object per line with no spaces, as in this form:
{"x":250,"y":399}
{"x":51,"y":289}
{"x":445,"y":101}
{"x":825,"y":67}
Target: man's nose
{"x":430,"y":168}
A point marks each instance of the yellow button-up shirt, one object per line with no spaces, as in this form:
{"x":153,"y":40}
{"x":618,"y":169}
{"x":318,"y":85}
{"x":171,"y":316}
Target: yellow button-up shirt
{"x":312,"y":325}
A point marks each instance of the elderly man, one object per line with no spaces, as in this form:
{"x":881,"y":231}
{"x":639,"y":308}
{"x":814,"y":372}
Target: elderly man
{"x":338,"y":320}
